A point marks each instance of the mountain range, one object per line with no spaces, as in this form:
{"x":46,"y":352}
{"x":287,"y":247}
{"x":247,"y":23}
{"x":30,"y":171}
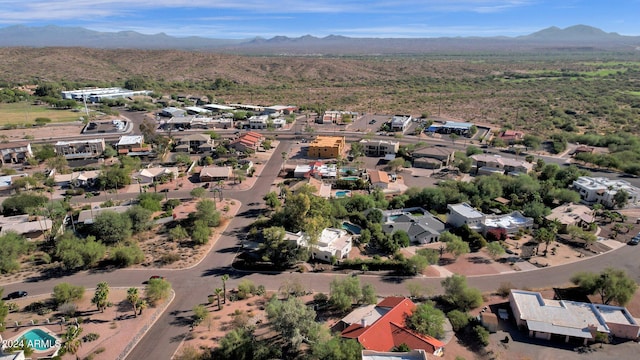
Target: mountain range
{"x":578,"y":37}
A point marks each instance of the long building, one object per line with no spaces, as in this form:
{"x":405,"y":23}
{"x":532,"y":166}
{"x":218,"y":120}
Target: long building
{"x":603,"y":190}
{"x":80,"y":149}
{"x":99,"y":94}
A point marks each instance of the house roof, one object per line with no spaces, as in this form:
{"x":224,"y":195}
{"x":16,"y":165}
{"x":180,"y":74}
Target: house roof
{"x":377,"y":176}
{"x":432,"y":151}
{"x":571,"y":214}
{"x":126,"y":140}
{"x":385,"y":355}
{"x":216,"y":171}
{"x":13,"y":145}
{"x":195,"y":137}
{"x":565,"y":317}
{"x":389,"y":330}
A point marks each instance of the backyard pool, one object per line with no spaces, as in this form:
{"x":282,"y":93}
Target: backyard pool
{"x":342,"y":193}
{"x":38,"y":339}
{"x":350,"y":178}
{"x":354,"y":229}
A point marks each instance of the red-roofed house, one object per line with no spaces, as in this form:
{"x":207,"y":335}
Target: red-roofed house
{"x":511,"y":136}
{"x":247,"y":141}
{"x":388,"y":329}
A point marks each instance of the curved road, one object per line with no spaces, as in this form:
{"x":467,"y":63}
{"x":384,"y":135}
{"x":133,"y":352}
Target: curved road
{"x":194,"y":284}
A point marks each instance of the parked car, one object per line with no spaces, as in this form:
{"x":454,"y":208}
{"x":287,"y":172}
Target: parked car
{"x":156,"y":277}
{"x":16,"y":295}
{"x":373,"y":121}
{"x":635,"y":240}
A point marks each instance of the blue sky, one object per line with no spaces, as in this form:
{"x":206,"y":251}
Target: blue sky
{"x":240,"y":19}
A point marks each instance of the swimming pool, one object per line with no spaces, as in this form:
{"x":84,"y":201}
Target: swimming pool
{"x":38,"y":339}
{"x":352,"y":228}
{"x":342,"y":193}
{"x":350,"y":178}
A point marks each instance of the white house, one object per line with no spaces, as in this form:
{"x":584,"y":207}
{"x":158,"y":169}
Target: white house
{"x":148,"y":176}
{"x":565,"y":320}
{"x":603,"y":190}
{"x":461,"y":214}
{"x":331,"y":243}
{"x":379,"y":147}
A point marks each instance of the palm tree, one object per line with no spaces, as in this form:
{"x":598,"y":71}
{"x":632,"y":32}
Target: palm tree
{"x":133,"y":297}
{"x":218,"y":291}
{"x":284,"y":159}
{"x":72,"y":340}
{"x":142,"y":304}
{"x":224,"y":279}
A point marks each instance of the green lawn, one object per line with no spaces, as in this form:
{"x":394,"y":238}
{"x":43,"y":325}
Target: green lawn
{"x":26,"y":113}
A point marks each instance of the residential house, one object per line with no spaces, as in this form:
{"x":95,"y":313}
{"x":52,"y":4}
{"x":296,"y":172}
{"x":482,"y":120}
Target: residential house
{"x":570,"y":320}
{"x":382,"y":327}
{"x":379,"y":179}
{"x":14,"y":152}
{"x":156,"y":174}
{"x":196,"y":143}
{"x":603,"y":190}
{"x":330,"y":117}
{"x":331,"y":244}
{"x":572,"y":215}
{"x":28,"y":226}
{"x":215,"y":173}
{"x":316,"y":169}
{"x":379,"y":147}
{"x":400,"y":122}
{"x":465,"y":214}
{"x":77,"y":178}
{"x":505,"y":165}
{"x":87,"y":216}
{"x":510,"y":137}
{"x":80,"y":149}
{"x":7,"y":181}
{"x":419,"y":224}
{"x":321,"y":188}
{"x":132,"y":145}
{"x":433,"y":157}
{"x":248,"y":141}
{"x":326,"y":147}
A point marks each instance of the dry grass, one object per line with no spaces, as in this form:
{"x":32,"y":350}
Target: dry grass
{"x":26,"y":113}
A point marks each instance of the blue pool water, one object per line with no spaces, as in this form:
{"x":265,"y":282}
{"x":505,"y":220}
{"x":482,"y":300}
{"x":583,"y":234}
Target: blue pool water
{"x":393,"y":217}
{"x":350,"y":178}
{"x":39,"y":340}
{"x":354,"y":229}
{"x":342,"y":193}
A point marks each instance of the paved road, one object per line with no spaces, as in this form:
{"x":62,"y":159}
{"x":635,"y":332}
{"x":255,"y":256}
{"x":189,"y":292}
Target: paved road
{"x":193,"y":285}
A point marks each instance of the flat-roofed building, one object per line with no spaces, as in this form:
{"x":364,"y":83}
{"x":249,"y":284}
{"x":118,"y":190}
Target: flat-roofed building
{"x":80,"y":149}
{"x":99,"y":94}
{"x":603,"y":190}
{"x":15,"y":152}
{"x":400,"y":122}
{"x":326,"y":147}
{"x":570,"y":320}
{"x":379,"y":147}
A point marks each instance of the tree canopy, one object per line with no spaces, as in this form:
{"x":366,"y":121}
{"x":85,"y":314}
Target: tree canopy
{"x":612,"y":285}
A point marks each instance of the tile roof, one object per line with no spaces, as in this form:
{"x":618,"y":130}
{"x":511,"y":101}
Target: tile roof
{"x":389,"y":330}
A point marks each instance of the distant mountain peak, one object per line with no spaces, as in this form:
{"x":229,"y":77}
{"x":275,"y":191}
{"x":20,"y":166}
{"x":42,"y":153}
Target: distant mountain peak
{"x":575,"y":32}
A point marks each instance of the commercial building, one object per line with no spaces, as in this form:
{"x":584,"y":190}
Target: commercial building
{"x":564,"y":320}
{"x":80,"y":149}
{"x":326,"y":147}
{"x":172,"y":112}
{"x":99,"y":94}
{"x":452,"y":127}
{"x":15,"y":152}
{"x":379,"y":147}
{"x":400,"y":122}
{"x":602,"y":190}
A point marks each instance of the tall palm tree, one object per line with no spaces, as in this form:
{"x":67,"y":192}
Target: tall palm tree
{"x":218,"y":292}
{"x":224,"y":279}
{"x":284,"y":159}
